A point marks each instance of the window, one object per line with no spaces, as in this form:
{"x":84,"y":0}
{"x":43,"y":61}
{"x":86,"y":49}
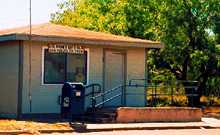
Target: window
{"x":63,"y":67}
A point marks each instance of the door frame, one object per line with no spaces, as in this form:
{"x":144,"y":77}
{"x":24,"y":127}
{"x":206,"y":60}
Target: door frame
{"x":124,"y":53}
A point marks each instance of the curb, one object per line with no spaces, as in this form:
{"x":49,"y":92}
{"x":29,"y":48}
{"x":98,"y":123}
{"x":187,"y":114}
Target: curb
{"x":17,"y":132}
{"x":149,"y":128}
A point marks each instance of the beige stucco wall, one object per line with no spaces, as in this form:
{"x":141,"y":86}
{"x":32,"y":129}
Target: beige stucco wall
{"x":135,"y":70}
{"x":9,"y":68}
{"x":45,"y":97}
{"x":95,"y":69}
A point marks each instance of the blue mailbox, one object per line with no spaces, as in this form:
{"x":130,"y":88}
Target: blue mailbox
{"x":72,"y":100}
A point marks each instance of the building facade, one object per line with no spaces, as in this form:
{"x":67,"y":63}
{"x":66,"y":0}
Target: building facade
{"x":34,"y":68}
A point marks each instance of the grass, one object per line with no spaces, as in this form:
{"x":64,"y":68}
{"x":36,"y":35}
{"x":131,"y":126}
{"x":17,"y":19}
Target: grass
{"x":210,"y":101}
{"x":169,"y":101}
{"x":164,"y":98}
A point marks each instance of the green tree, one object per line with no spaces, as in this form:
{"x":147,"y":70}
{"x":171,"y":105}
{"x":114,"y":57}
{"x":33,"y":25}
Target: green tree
{"x":121,"y":17}
{"x":188,"y":33}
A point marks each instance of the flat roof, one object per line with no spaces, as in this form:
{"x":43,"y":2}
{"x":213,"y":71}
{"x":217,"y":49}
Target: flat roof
{"x":50,"y":32}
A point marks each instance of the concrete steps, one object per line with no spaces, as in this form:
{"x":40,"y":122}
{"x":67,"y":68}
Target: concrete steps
{"x":103,"y":115}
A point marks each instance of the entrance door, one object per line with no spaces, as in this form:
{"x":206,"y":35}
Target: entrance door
{"x":114,"y":75}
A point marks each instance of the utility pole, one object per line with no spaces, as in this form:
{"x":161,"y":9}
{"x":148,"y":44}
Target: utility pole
{"x":30,"y":13}
{"x":30,"y":59}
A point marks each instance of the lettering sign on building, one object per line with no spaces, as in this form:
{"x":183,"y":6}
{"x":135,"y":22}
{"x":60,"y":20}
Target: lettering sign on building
{"x":65,"y":48}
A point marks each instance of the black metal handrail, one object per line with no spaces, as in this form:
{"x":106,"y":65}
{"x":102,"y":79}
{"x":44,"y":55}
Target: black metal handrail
{"x":107,"y":100}
{"x":93,"y":98}
{"x":94,"y":102}
{"x":158,"y":81}
{"x":109,"y":91}
{"x":94,"y":105}
{"x":190,"y":90}
{"x":93,"y":92}
{"x":131,"y":80}
{"x":153,"y":84}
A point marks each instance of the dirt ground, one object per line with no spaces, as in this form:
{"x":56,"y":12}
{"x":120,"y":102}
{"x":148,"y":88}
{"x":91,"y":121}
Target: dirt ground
{"x":9,"y":125}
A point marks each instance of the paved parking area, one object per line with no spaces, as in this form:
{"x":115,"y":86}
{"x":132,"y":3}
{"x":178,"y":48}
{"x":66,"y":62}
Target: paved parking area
{"x":151,"y":132}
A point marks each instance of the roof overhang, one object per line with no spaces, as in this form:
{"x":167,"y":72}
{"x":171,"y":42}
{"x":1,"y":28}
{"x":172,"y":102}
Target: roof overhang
{"x":76,"y":40}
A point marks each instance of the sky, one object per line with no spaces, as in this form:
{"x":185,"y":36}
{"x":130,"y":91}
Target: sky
{"x":15,"y":13}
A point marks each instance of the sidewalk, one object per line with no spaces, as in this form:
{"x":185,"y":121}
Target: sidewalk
{"x":212,"y":122}
{"x":206,"y":123}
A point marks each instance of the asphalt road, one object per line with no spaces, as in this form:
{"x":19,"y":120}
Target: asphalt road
{"x":151,"y":132}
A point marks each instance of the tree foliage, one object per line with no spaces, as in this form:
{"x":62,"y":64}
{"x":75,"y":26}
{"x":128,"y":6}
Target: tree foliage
{"x":122,"y":17}
{"x":190,"y":33}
